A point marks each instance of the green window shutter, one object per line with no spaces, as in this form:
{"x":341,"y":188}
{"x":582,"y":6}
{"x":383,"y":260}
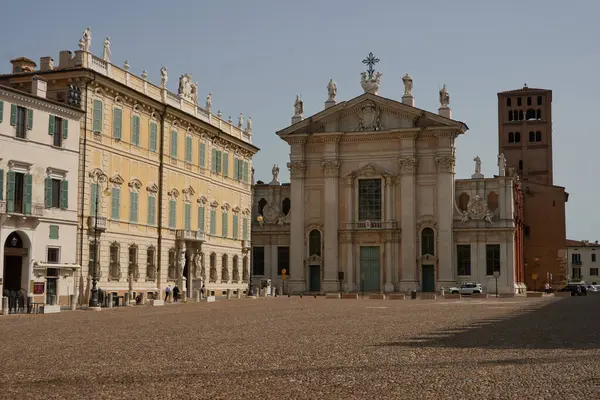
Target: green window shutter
{"x":188,"y":149}
{"x":135,"y":130}
{"x":51,"y":121}
{"x":10,"y":191}
{"x":64,"y":194}
{"x":151,"y":210}
{"x":202,"y":155}
{"x":115,"y":206}
{"x":219,"y":161}
{"x":245,"y":229}
{"x":117,"y":123}
{"x":235,"y":227}
{"x":187,"y":216}
{"x":213,"y":222}
{"x":245,"y":171}
{"x":29,"y":119}
{"x":48,"y":192}
{"x":65,"y":128}
{"x":53,"y":232}
{"x":213,"y":164}
{"x":240,"y":169}
{"x":93,"y":197}
{"x":133,"y":207}
{"x":226,"y":164}
{"x":225,"y":224}
{"x":174,"y":144}
{"x":172,"y":214}
{"x":13,"y":114}
{"x":236,"y":169}
{"x":28,"y":193}
{"x":97,"y":125}
{"x":201,"y":218}
{"x":1,"y":111}
{"x":153,"y":136}
{"x":1,"y":184}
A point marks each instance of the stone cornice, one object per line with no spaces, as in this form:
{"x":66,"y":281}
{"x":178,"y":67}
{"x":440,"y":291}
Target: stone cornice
{"x":40,"y":103}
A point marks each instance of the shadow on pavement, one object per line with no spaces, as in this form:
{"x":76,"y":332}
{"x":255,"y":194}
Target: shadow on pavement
{"x":566,"y":323}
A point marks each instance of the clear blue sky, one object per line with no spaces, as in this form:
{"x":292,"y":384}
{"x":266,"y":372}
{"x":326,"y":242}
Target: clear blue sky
{"x":255,"y":56}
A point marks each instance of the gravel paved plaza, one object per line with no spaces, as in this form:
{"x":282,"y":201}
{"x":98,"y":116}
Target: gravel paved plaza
{"x":293,"y":348}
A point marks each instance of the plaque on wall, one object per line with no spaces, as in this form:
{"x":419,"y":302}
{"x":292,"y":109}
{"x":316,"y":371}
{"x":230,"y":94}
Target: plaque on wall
{"x":38,"y":287}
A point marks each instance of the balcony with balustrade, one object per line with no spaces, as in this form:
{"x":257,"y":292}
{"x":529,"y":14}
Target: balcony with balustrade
{"x":190,"y":235}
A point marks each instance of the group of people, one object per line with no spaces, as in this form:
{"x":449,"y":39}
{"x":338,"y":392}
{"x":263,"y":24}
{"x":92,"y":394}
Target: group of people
{"x":175,"y":290}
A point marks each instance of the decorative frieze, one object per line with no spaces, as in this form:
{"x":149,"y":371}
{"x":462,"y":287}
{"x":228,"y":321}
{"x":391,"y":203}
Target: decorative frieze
{"x":445,"y":163}
{"x":331,"y":168}
{"x":407,"y":164}
{"x":297,"y":169}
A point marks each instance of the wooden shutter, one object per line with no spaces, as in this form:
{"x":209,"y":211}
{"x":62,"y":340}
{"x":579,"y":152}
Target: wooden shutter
{"x":64,"y":194}
{"x":29,"y":119}
{"x":187,"y":216}
{"x":1,"y":110}
{"x":48,"y":192}
{"x":225,"y":224}
{"x":236,"y":169}
{"x":51,"y":123}
{"x":1,"y":184}
{"x":116,"y":203}
{"x":174,"y":144}
{"x":153,"y":136}
{"x":202,"y":155}
{"x":213,"y":164}
{"x":97,"y":125}
{"x":188,"y":148}
{"x":117,"y":123}
{"x":93,"y":197}
{"x":235,"y":226}
{"x":10,"y":191}
{"x":135,"y":130}
{"x":245,"y":171}
{"x":201,"y":218}
{"x":28,"y":193}
{"x":65,"y":128}
{"x":151,"y":210}
{"x":13,"y":114}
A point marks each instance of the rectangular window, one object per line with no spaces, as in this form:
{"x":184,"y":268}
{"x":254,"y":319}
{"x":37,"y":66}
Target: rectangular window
{"x":236,"y":169}
{"x":593,"y":271}
{"x":593,"y":257}
{"x":19,"y":119}
{"x":56,"y":193}
{"x":203,"y":155}
{"x":172,"y":214}
{"x":492,"y":257}
{"x":174,"y":144}
{"x":94,"y":198}
{"x":53,"y":255}
{"x":153,"y":136}
{"x":224,"y":225}
{"x":258,"y":261}
{"x":53,"y":232}
{"x":219,"y":161}
{"x":117,"y":123}
{"x":58,"y":129}
{"x":151,"y":210}
{"x":97,"y":118}
{"x":93,"y":257}
{"x":245,"y":171}
{"x":283,"y":260}
{"x":539,"y":100}
{"x":576,"y":258}
{"x":226,"y":164}
{"x":369,"y":200}
{"x":150,"y":263}
{"x":115,"y":205}
{"x":133,"y":207}
{"x":213,"y":161}
{"x":213,"y":222}
{"x":135,"y":130}
{"x":235,"y":227}
{"x":187,"y":216}
{"x":188,"y":149}
{"x":463,"y":259}
{"x":240,"y":176}
{"x":519,"y":102}
{"x":201,"y":218}
{"x":245,"y":229}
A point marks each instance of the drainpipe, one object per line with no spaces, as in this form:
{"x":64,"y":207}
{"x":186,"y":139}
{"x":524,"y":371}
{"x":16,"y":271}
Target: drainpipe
{"x":160,"y":200}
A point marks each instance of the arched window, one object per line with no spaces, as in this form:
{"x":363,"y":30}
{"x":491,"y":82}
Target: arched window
{"x":224,"y":268}
{"x":213,"y":267}
{"x":172,"y":272}
{"x":114,"y":264}
{"x":261,"y":205}
{"x":511,"y":137}
{"x":517,"y":137}
{"x":510,"y":115}
{"x":530,"y":114}
{"x":538,"y":136}
{"x":463,"y":201}
{"x":150,"y":264}
{"x":531,"y":136}
{"x":286,"y":204}
{"x":427,"y":241}
{"x":314,"y":243}
{"x":538,"y":114}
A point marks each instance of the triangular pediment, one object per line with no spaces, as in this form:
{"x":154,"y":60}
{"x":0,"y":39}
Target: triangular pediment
{"x":368,"y":170}
{"x":370,"y":113}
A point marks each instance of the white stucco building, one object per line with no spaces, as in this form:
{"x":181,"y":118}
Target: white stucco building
{"x":583,"y":263}
{"x":39,"y":142}
{"x":373,"y":205}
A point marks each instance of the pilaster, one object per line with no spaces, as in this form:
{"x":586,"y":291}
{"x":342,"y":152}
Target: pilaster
{"x":331,"y":223}
{"x":349,"y":276}
{"x":408,"y":222}
{"x":297,"y":171}
{"x":445,"y":212}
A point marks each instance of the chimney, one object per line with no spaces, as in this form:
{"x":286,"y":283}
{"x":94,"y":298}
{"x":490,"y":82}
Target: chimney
{"x":22,"y":64}
{"x":46,"y":64}
{"x":38,"y":87}
{"x":64,"y":59}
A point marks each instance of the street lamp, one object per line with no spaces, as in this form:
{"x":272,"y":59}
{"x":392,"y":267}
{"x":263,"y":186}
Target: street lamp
{"x":98,"y":178}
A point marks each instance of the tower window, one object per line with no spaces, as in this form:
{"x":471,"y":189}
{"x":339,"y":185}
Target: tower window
{"x":520,"y":165}
{"x":528,"y":100}
{"x":530,"y":114}
{"x":511,"y":137}
{"x":520,"y":115}
{"x":517,"y":137}
{"x":510,"y":115}
{"x":532,"y":136}
{"x":519,"y":102}
{"x":539,"y":100}
{"x":538,"y":136}
{"x":538,"y":114}
{"x":508,"y":102}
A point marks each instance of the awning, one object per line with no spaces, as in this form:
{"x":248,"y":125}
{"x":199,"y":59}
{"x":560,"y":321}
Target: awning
{"x":44,"y":265}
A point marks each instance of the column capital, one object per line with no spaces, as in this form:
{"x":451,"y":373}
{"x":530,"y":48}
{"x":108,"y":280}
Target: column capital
{"x":297,"y":169}
{"x":331,"y":168}
{"x":408,"y":164}
{"x":349,"y":181}
{"x":445,"y":163}
{"x":389,"y":180}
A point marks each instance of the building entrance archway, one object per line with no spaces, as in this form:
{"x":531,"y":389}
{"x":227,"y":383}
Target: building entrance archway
{"x":14,"y":278}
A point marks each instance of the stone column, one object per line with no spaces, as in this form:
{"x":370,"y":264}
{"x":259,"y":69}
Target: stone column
{"x":408,"y":166}
{"x":180,"y":267}
{"x":297,"y":278}
{"x":349,"y":275}
{"x":331,"y":225}
{"x":389,"y":187}
{"x":445,"y":216}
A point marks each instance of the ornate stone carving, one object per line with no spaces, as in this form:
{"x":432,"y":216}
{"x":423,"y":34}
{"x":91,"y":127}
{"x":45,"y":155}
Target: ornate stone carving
{"x":241,"y":121}
{"x":477,"y":209}
{"x":389,"y":180}
{"x":297,"y":169}
{"x":331,"y":167}
{"x":349,"y":181}
{"x":275,"y":172}
{"x":173,"y":193}
{"x":408,"y":84}
{"x":209,"y":103}
{"x":85,"y":43}
{"x":117,"y":180}
{"x":135,"y":184}
{"x":106,"y":54}
{"x":444,"y":97}
{"x":408,"y":165}
{"x":298,"y":107}
{"x":370,"y":83}
{"x":270,"y":213}
{"x":445,"y":163}
{"x":368,"y":118}
{"x":332,"y":90}
{"x":187,"y":88}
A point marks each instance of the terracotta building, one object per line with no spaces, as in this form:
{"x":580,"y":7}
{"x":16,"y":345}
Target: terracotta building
{"x":525,"y":139}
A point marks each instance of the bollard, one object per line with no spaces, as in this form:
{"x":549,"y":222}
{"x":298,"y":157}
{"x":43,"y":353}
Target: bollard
{"x":170,"y":297}
{"x":197,"y":295}
{"x":53,"y":300}
{"x":126,"y":299}
{"x":110,"y":300}
{"x":73,"y":301}
{"x":239,"y":293}
{"x":229,"y":294}
{"x":4,"y":305}
{"x":143,"y":298}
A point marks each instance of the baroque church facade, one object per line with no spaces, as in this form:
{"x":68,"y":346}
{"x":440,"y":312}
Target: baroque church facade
{"x":373,"y":204}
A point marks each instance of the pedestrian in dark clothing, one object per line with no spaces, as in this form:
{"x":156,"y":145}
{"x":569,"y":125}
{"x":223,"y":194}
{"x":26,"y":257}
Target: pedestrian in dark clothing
{"x":175,"y":293}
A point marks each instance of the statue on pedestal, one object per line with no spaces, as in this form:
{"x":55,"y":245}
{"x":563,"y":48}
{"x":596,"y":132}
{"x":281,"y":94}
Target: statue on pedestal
{"x":106,"y":54}
{"x":86,"y":39}
{"x":298,"y":107}
{"x":209,"y":103}
{"x":444,"y":97}
{"x":163,"y":77}
{"x":408,"y":84}
{"x":501,"y":164}
{"x":275,"y":172}
{"x":241,"y":121}
{"x":332,"y":90}
{"x":249,"y":125}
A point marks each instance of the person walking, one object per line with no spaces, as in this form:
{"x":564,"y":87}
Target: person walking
{"x":167,"y":292}
{"x":175,"y":293}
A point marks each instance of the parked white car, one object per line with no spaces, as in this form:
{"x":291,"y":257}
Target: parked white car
{"x":466,"y":288}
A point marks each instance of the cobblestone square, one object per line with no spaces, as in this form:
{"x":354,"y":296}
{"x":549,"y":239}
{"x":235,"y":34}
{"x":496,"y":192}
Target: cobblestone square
{"x":307,"y":348}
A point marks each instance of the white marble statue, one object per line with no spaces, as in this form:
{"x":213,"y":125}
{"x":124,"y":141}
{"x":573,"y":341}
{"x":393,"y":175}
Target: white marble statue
{"x":230,"y":120}
{"x":86,"y":38}
{"x":370,"y":84}
{"x":275,"y":172}
{"x":163,"y":77}
{"x":181,"y":261}
{"x":501,"y":164}
{"x":126,"y":65}
{"x":298,"y":107}
{"x":194,"y":93}
{"x":249,"y":124}
{"x":106,"y":54}
{"x":219,"y":114}
{"x":241,"y":121}
{"x":444,"y":97}
{"x":185,"y":86}
{"x":144,"y":75}
{"x":477,"y":165}
{"x":209,"y":103}
{"x":331,"y":89}
{"x":408,"y":84}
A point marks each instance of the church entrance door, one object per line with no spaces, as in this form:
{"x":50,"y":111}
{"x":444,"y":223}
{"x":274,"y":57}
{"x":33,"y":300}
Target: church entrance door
{"x":370,"y":268}
{"x":314,"y":278}
{"x":428,"y":279}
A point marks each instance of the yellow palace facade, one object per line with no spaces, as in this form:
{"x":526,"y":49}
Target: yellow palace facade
{"x":166,"y":193}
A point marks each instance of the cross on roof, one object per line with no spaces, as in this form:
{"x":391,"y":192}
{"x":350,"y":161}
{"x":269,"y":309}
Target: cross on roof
{"x":370,"y":61}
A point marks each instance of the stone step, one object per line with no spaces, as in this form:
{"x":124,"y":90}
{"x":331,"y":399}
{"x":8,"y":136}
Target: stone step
{"x":377,"y":296}
{"x":333,"y":296}
{"x":427,"y":296}
{"x":396,"y":296}
{"x":349,"y":295}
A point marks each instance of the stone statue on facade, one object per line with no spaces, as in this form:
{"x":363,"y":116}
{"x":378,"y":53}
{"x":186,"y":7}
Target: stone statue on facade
{"x":408,"y":84}
{"x":370,"y":84}
{"x":197,"y":264}
{"x":241,"y":121}
{"x":181,"y":262}
{"x":144,"y":75}
{"x":298,"y":107}
{"x":106,"y":54}
{"x":209,"y":103}
{"x":444,"y":97}
{"x":501,"y":164}
{"x":86,"y":39}
{"x":275,"y":172}
{"x":252,"y":175}
{"x":126,"y":65}
{"x":332,"y":89}
{"x":185,"y":86}
{"x":219,"y":114}
{"x":163,"y":77}
{"x":249,"y":125}
{"x":194,"y":94}
{"x":368,"y":118}
{"x":477,"y":173}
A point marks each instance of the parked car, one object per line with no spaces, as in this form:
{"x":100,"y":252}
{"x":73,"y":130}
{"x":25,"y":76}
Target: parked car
{"x":466,"y":288}
{"x":575,"y":289}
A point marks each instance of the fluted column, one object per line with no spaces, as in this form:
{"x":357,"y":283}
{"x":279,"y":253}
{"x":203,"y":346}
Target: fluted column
{"x":349,"y":275}
{"x":331,"y":224}
{"x":408,"y":222}
{"x":445,"y":213}
{"x":297,"y":277}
